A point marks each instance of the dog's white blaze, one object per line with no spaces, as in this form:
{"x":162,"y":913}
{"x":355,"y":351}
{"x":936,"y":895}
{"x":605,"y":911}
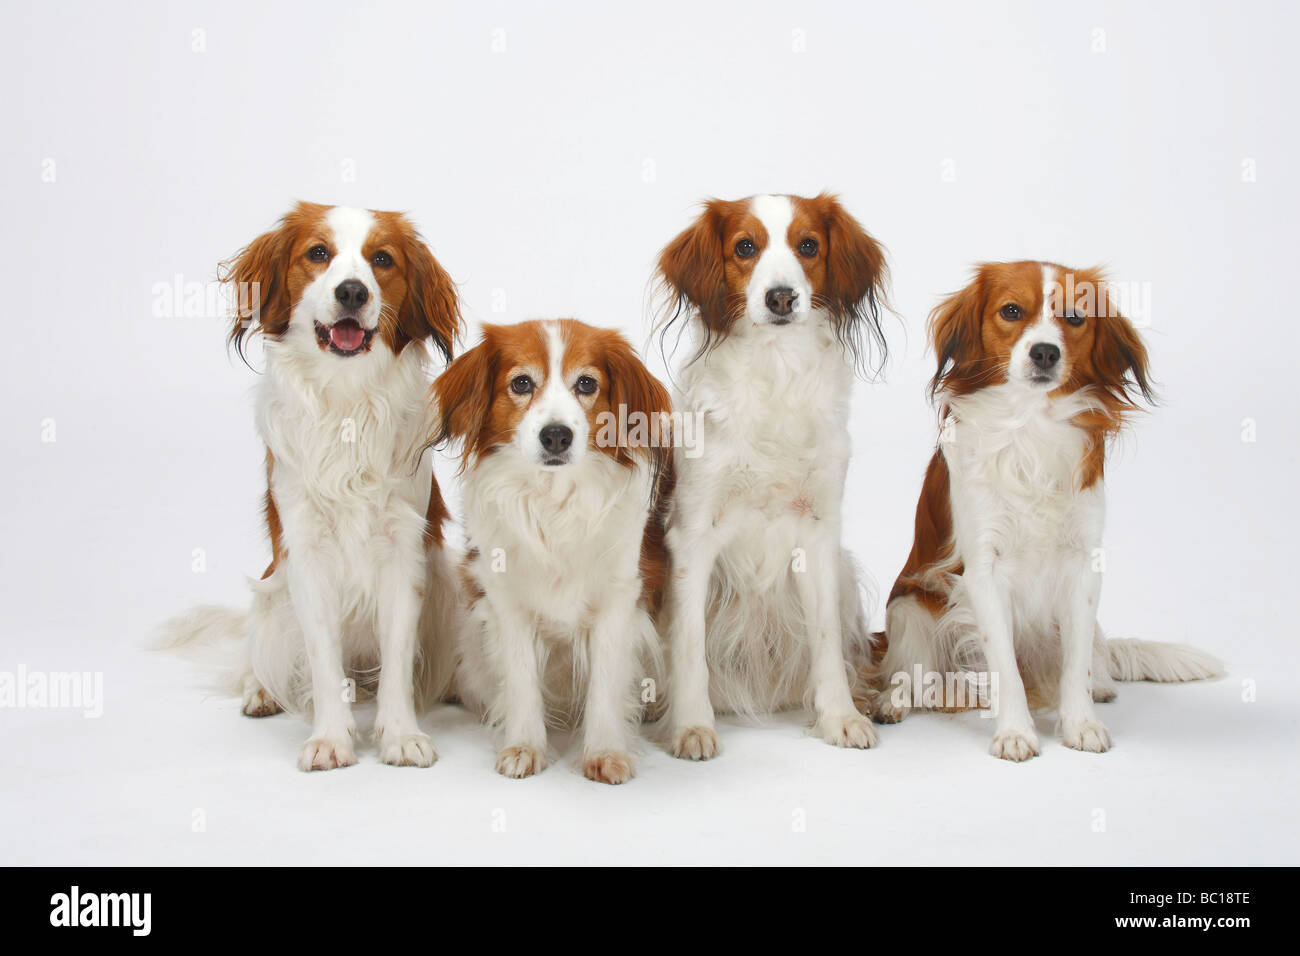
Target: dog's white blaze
{"x":556,"y":405}
{"x":1050,"y":285}
{"x":777,"y":264}
{"x":1042,"y":329}
{"x":349,"y":229}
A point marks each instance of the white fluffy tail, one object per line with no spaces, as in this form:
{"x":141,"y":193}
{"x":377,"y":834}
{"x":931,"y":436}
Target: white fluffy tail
{"x":204,"y":625}
{"x":213,"y":637}
{"x":1150,"y":660}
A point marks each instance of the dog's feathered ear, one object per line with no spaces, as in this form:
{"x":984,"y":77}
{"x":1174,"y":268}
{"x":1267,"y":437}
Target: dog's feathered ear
{"x":856,"y":277}
{"x":954,"y":328}
{"x":462,"y":399}
{"x":634,"y":391}
{"x":431,"y":308}
{"x":691,"y":270}
{"x":1119,"y":357}
{"x":257,"y":279}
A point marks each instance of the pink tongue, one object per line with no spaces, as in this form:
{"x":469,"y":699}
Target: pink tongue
{"x":347,"y":336}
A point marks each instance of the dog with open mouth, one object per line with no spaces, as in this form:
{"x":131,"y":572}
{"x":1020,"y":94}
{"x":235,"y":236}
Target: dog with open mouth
{"x":565,"y":451}
{"x":358,"y":593}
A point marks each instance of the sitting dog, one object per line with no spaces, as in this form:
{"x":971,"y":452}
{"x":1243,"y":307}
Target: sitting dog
{"x":764,"y":611}
{"x":346,"y":300}
{"x":1037,"y":370}
{"x":564,"y":454}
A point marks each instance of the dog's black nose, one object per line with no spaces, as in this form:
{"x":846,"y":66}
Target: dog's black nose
{"x":351,"y":293}
{"x":781,"y":301}
{"x":556,"y":438}
{"x":1044,"y":355}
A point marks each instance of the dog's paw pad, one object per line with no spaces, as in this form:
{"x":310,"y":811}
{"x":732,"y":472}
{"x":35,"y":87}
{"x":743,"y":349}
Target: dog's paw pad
{"x":612,"y":766}
{"x":406,"y":749}
{"x":326,"y":753}
{"x":1015,"y":745}
{"x":258,"y":703}
{"x":852,"y":730}
{"x":695,"y":743}
{"x":1089,"y":735}
{"x":885,"y":711}
{"x":519,"y":762}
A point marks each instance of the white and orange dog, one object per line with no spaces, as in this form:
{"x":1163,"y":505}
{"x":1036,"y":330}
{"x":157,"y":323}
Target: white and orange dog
{"x":346,"y":300}
{"x":763,"y":610}
{"x":1037,"y":370}
{"x":564,"y":451}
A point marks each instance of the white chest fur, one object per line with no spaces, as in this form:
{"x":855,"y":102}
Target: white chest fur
{"x":754,"y":536}
{"x":774,"y":437}
{"x":563,"y":542}
{"x":348,"y":479}
{"x":1014,"y":462}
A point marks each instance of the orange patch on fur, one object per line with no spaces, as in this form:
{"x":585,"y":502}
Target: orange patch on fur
{"x":273,"y":526}
{"x":435,"y":515}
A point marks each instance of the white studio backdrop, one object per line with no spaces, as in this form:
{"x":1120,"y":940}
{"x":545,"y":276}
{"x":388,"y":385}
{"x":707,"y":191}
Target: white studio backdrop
{"x":547,"y":152}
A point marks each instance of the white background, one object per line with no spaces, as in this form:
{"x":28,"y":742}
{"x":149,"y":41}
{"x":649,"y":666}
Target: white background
{"x":546,"y":177}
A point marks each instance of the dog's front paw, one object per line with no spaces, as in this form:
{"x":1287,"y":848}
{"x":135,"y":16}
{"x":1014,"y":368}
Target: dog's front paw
{"x":695,"y":743}
{"x":259,"y":703}
{"x":1016,"y":745}
{"x":885,"y":710}
{"x":611,"y":766}
{"x":327,"y":753}
{"x":404,"y":748}
{"x":1088,"y":735}
{"x":518,"y":762}
{"x":850,"y":730}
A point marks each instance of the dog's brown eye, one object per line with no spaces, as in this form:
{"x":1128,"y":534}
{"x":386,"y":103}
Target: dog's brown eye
{"x":1011,"y":313}
{"x":1074,"y":318}
{"x":521,"y":385}
{"x":808,"y":248}
{"x":586,"y":385}
{"x":381,"y":260}
{"x":318,"y":254}
{"x":745,"y":249}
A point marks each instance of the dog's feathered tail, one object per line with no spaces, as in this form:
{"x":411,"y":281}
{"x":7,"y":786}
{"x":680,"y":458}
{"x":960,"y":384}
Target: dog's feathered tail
{"x":213,"y":637}
{"x":218,"y":640}
{"x":202,"y":626}
{"x":1131,"y":660}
